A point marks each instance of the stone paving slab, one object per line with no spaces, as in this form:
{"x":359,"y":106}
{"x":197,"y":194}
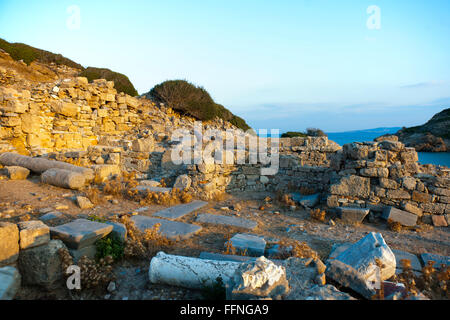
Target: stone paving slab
{"x":171,"y":229}
{"x":153,"y":189}
{"x":180,"y":210}
{"x":254,"y":245}
{"x":415,"y":262}
{"x":438,"y":259}
{"x":80,"y":233}
{"x":227,"y":220}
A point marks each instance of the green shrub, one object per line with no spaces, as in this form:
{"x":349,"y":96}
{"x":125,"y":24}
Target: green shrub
{"x":192,"y":100}
{"x":292,"y":134}
{"x":110,"y":245}
{"x":20,"y":51}
{"x":121,"y":81}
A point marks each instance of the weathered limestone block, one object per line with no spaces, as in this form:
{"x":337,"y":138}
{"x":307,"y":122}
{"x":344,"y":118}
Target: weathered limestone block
{"x":392,"y":145}
{"x":398,"y":194}
{"x":362,"y":254}
{"x":17,"y":173}
{"x":30,"y":123}
{"x":348,"y":277}
{"x":440,"y":191}
{"x":104,"y":172}
{"x":352,"y":215}
{"x":375,"y":172}
{"x":10,"y":280}
{"x":436,"y":208}
{"x":388,"y":183}
{"x":356,"y":151}
{"x":67,"y":109}
{"x":439,"y":221}
{"x":421,"y":197}
{"x":412,"y":208}
{"x":63,"y":178}
{"x":258,"y":279}
{"x":144,"y":144}
{"x":183,"y":182}
{"x":33,"y":234}
{"x":42,"y":265}
{"x":400,"y":216}
{"x":10,"y":120}
{"x":81,"y":232}
{"x":409,"y":183}
{"x":252,"y":244}
{"x":9,"y":243}
{"x":14,"y":106}
{"x":353,"y":186}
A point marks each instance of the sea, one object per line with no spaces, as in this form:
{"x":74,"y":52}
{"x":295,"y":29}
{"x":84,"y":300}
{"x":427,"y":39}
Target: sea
{"x":436,"y":158}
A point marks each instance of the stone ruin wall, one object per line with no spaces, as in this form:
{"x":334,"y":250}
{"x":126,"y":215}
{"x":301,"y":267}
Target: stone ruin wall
{"x":90,"y":124}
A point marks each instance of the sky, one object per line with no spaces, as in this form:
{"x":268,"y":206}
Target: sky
{"x":285,"y":64}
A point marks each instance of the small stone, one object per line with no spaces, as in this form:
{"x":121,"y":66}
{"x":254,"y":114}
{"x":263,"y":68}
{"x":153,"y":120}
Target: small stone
{"x":84,"y":203}
{"x":17,"y":173}
{"x":111,"y":287}
{"x":61,"y":207}
{"x":439,"y":221}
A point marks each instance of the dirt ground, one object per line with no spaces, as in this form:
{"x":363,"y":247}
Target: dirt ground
{"x":24,"y":199}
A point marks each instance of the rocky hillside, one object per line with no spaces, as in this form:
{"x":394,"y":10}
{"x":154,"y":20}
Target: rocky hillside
{"x":32,"y":56}
{"x":433,"y":136}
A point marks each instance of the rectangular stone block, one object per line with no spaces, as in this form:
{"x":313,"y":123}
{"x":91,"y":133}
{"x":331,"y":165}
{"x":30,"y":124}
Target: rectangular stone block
{"x":9,"y":243}
{"x":80,"y":233}
{"x":33,"y":234}
{"x":180,"y":210}
{"x":171,"y":229}
{"x":254,"y":245}
{"x":400,"y":216}
{"x":352,"y":215}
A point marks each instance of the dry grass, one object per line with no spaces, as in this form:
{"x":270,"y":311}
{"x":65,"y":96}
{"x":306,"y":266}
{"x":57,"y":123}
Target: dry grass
{"x":298,"y":250}
{"x":394,"y":226}
{"x":146,"y":244}
{"x":433,"y":282}
{"x":318,"y":215}
{"x":93,"y":194}
{"x":93,"y":274}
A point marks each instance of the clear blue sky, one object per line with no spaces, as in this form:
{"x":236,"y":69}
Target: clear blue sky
{"x":279,"y":64}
